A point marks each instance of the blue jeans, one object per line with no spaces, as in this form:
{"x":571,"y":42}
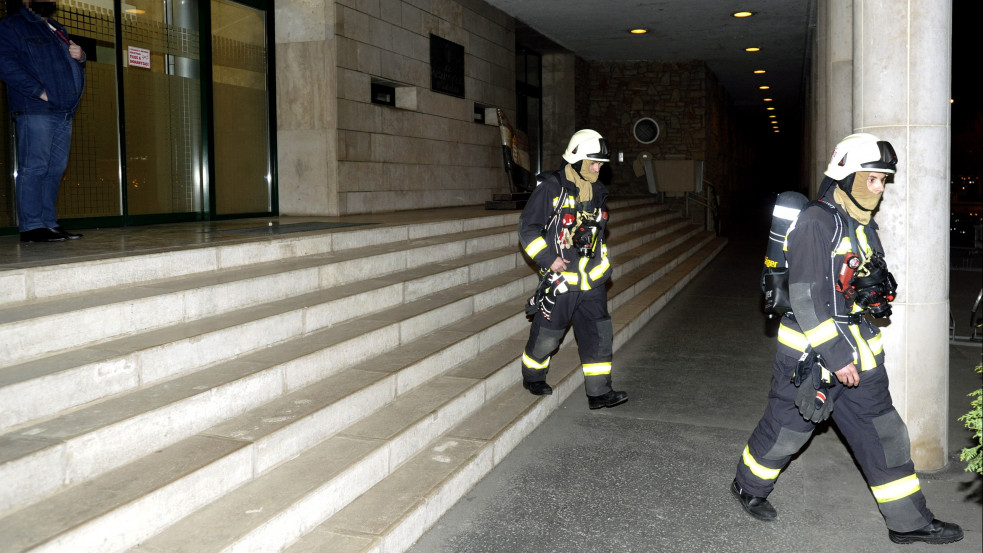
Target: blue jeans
{"x":42,"y":155}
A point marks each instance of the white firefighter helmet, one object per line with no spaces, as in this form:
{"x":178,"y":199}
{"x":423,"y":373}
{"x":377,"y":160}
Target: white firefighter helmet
{"x":587,"y":144}
{"x":861,"y":152}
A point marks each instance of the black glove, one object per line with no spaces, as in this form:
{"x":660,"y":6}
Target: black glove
{"x":550,"y":285}
{"x":813,"y":399}
{"x":557,"y":286}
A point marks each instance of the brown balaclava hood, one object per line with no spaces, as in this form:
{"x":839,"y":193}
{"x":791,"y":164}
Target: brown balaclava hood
{"x":579,"y":173}
{"x":859,"y":201}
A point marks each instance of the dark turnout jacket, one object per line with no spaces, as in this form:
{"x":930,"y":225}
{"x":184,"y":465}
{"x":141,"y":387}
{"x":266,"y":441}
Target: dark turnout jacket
{"x":540,"y":230}
{"x":816,"y":245}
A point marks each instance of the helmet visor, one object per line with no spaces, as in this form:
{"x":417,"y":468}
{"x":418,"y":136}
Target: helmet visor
{"x":888,"y":162}
{"x":603,"y":154}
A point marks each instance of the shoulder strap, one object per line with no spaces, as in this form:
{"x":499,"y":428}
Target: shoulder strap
{"x":840,"y":223}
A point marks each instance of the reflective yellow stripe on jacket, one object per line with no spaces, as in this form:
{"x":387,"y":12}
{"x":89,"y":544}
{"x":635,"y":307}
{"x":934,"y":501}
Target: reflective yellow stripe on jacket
{"x":823,"y":333}
{"x":603,"y":266}
{"x":792,"y":339}
{"x":867,"y":350}
{"x":536,"y":246}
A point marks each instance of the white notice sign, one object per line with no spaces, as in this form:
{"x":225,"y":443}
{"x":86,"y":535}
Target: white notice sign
{"x":138,"y":57}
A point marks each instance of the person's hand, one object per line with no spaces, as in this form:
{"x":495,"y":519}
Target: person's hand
{"x":44,"y":95}
{"x":559,"y":265}
{"x":75,"y":51}
{"x":848,"y":376}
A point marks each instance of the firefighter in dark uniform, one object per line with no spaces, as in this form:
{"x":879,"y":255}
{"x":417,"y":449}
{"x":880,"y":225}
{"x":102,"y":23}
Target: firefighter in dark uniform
{"x":562,"y":230}
{"x":830,"y":360}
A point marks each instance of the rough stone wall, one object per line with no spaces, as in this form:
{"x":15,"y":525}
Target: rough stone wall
{"x":429,"y":152}
{"x":729,"y":153}
{"x":673,"y":94}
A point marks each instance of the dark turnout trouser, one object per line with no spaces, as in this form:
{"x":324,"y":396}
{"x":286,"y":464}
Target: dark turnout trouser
{"x":874,"y":431}
{"x":588,"y":311}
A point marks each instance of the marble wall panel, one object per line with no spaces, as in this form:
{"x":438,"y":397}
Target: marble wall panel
{"x":303,"y":168}
{"x":303,"y":20}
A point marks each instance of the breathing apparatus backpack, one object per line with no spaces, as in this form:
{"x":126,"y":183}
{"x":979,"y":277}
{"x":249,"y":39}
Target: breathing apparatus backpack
{"x":872,"y":291}
{"x":774,"y":275}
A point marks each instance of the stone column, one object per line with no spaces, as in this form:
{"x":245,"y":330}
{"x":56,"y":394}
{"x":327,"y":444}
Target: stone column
{"x":838,"y":15}
{"x":902,"y":69}
{"x":307,"y":107}
{"x":819,"y":101}
{"x":559,"y":107}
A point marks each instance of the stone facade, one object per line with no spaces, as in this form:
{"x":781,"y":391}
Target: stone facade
{"x":695,"y":117}
{"x":342,"y":154}
{"x":339,"y":153}
{"x":673,"y":94}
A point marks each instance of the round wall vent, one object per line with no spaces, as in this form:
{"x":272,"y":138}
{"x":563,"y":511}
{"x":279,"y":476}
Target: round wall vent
{"x":646,"y":130}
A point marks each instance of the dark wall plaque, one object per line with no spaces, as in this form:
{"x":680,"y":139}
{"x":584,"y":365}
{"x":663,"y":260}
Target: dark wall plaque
{"x":446,"y":67}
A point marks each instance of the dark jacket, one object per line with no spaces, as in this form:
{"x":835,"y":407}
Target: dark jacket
{"x":816,"y":245}
{"x":34,"y":60}
{"x":540,"y":230}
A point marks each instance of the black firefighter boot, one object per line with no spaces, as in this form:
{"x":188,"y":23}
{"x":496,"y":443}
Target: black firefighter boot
{"x":933,"y":532}
{"x":758,"y":507}
{"x":609,"y":399}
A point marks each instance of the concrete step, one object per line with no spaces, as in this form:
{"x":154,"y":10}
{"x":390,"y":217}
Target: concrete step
{"x":400,"y":425}
{"x":33,"y":283}
{"x":130,"y":425}
{"x":393,"y":514}
{"x":97,"y":314}
{"x":150,"y":363}
{"x":50,"y":384}
{"x":270,"y":433}
{"x":395,"y":511}
{"x":54,"y":383}
{"x":283,"y":409}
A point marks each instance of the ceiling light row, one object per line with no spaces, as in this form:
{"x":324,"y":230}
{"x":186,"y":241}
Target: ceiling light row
{"x":740,"y":14}
{"x":772,"y":116}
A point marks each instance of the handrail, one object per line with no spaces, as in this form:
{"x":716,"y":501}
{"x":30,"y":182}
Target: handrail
{"x":708,"y":200}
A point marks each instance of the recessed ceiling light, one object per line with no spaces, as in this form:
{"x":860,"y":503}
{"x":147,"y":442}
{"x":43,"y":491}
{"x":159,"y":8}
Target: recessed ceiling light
{"x":135,"y":11}
{"x":770,"y":109}
{"x":764,"y":87}
{"x":773,"y":116}
{"x":639,"y":31}
{"x":742,"y":14}
{"x":752,"y":49}
{"x":759,"y":71}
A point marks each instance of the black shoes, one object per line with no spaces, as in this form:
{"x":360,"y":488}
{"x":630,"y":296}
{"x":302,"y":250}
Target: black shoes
{"x":609,"y":399}
{"x":934,"y":532}
{"x":758,"y":507}
{"x":68,"y":235}
{"x":43,"y":234}
{"x":538,"y":388}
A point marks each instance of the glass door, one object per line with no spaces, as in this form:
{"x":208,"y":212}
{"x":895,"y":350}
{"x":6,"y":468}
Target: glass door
{"x":241,"y":118}
{"x":162,"y":108}
{"x":160,"y":136}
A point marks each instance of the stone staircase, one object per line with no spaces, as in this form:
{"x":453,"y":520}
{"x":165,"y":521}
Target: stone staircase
{"x":330,"y":391}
